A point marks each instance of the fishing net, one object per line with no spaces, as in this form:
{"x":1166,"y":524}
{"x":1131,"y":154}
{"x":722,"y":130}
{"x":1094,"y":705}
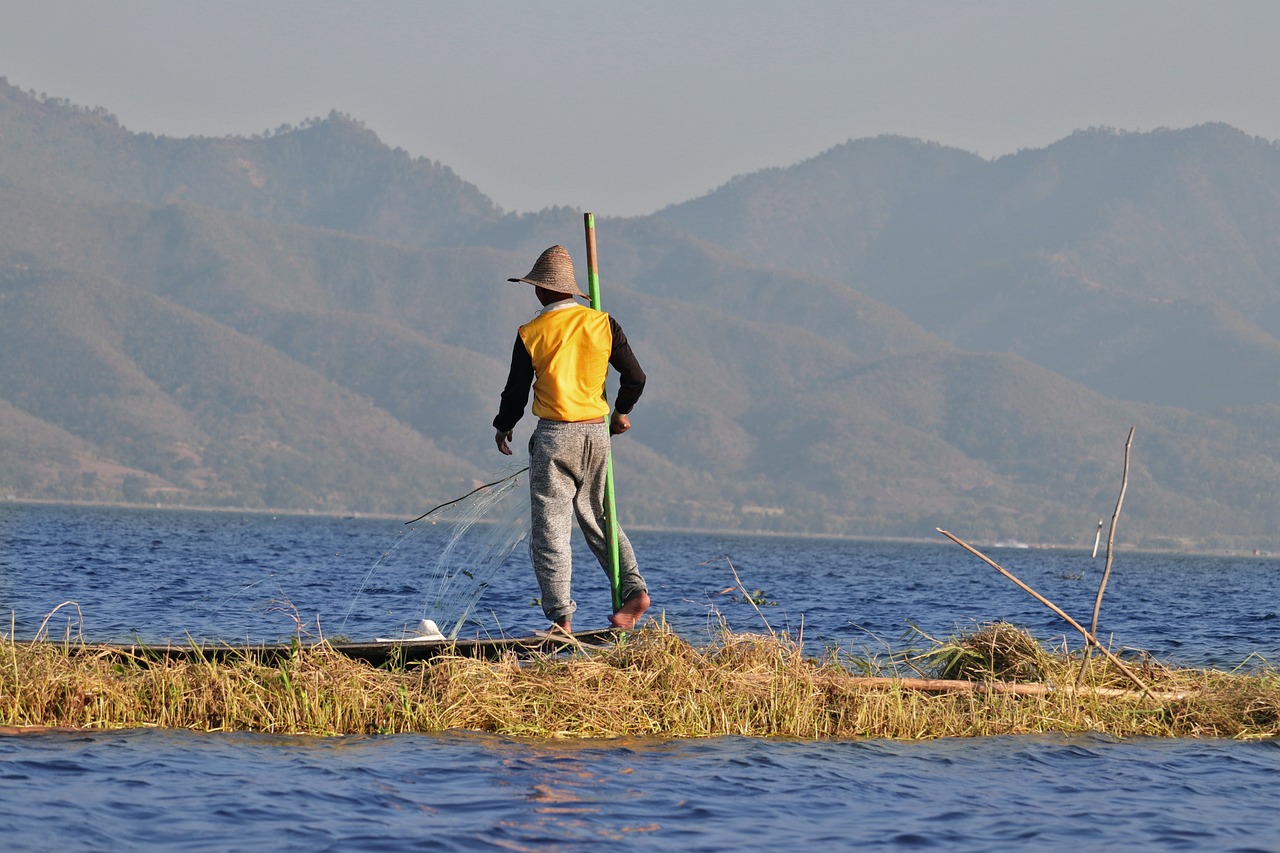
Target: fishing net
{"x":449,"y":556}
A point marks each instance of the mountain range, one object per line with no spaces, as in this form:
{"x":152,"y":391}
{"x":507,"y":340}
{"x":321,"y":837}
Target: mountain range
{"x":889,"y":337}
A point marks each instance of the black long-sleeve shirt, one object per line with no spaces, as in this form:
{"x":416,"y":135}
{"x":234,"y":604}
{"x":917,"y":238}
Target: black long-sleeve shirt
{"x":515,"y":396}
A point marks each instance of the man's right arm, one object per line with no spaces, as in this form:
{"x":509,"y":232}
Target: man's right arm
{"x":515,"y":396}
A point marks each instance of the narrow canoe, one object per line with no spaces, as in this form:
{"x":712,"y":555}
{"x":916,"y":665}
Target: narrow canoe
{"x":380,"y":653}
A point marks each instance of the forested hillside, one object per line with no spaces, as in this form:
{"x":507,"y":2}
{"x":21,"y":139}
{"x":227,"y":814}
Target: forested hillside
{"x":890,"y":337}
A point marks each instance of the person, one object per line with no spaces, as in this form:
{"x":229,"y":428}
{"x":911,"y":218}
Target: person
{"x":564,"y":354}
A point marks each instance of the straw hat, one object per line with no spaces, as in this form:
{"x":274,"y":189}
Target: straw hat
{"x":554,"y":271}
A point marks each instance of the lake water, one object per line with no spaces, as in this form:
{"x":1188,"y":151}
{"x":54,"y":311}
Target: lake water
{"x":156,"y":575}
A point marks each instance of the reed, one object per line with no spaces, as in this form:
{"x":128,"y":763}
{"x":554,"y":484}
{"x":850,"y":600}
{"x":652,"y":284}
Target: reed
{"x":993,"y":681}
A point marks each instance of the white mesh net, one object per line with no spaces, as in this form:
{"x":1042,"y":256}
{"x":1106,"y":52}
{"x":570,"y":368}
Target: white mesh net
{"x":470,"y":538}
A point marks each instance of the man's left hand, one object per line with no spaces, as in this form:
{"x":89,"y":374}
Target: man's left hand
{"x":619,"y":423}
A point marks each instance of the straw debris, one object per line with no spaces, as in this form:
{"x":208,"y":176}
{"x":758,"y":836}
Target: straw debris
{"x":996,"y":681}
{"x":997,"y":651}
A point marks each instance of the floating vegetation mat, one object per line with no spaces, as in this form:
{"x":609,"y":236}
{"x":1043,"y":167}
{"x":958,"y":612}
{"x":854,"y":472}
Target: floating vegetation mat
{"x":996,"y":681}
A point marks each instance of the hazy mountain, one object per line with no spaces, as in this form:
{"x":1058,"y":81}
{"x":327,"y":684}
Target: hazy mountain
{"x":1143,"y":265}
{"x":332,"y":174}
{"x":311,"y":320}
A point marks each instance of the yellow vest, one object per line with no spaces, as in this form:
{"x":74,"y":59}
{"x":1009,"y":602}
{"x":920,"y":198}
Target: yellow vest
{"x":570,"y":351}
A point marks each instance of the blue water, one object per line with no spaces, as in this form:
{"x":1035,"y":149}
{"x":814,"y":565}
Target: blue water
{"x":168,"y":575}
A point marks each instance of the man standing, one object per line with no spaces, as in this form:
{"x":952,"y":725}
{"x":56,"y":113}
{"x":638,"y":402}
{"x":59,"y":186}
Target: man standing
{"x":564,"y":353}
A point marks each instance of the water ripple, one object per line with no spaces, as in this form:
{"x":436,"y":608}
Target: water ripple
{"x":181,"y":791}
{"x":165,"y":575}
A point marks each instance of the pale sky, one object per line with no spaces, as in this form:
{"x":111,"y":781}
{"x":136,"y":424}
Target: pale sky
{"x":625,"y":106}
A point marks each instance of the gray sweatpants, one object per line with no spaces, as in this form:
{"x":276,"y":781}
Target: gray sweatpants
{"x":567,"y":465}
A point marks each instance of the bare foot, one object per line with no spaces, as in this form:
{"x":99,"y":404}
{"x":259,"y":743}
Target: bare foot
{"x":630,"y":614}
{"x":563,"y":625}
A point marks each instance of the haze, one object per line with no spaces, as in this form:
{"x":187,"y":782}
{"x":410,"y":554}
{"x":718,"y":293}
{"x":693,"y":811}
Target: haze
{"x":624,"y":108}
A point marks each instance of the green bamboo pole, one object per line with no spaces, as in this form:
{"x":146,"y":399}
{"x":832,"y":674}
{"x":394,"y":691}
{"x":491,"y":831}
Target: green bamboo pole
{"x":610,"y":507}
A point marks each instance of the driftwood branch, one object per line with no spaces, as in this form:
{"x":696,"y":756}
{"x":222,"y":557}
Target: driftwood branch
{"x":948,"y":685}
{"x":1106,"y":571}
{"x":944,"y":685}
{"x":1088,"y":636}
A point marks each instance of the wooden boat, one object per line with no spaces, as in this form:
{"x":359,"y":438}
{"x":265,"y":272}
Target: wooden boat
{"x":380,"y":653}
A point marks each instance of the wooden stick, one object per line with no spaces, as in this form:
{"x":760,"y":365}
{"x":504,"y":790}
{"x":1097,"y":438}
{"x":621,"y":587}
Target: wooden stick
{"x":943,"y":685}
{"x":1106,"y":571}
{"x":948,"y":685}
{"x":1089,"y":638}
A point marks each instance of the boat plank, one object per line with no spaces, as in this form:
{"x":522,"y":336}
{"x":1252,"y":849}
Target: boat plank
{"x":375,"y":653}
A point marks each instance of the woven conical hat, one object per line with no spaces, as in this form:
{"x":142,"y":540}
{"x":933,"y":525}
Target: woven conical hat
{"x":554,"y":271}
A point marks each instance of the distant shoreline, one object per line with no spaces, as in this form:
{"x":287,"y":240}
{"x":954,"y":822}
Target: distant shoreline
{"x":763,"y":534}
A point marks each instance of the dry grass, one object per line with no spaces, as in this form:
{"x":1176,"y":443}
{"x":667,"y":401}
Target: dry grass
{"x":654,"y":684}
